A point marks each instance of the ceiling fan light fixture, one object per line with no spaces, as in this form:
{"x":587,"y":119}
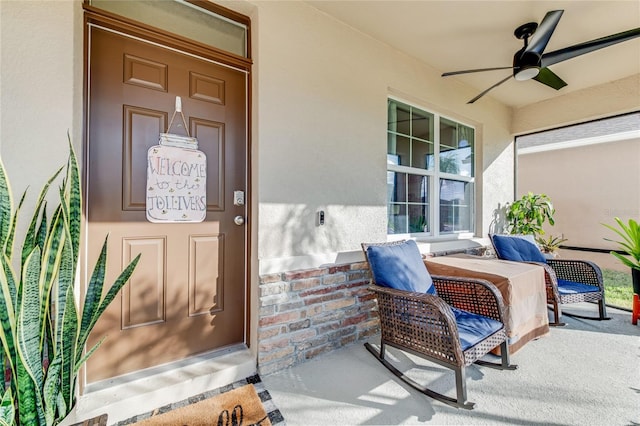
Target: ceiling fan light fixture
{"x":527,"y":73}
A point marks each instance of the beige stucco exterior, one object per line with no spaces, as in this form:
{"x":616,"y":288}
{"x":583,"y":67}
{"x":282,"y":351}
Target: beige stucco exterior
{"x":589,"y":185}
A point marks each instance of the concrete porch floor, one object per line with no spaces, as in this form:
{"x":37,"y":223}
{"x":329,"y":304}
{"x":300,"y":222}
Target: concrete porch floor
{"x":587,"y":373}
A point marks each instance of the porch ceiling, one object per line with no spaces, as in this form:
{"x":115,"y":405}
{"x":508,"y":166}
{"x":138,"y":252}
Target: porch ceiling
{"x":458,"y":35}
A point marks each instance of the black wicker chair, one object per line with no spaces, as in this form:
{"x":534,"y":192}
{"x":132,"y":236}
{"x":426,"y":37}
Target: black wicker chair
{"x":448,"y":328}
{"x":567,"y":281}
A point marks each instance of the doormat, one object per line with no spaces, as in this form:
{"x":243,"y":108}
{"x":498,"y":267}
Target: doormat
{"x":242,"y":403}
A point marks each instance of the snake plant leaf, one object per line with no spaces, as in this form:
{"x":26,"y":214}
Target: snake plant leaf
{"x":67,"y":347}
{"x":29,"y":363}
{"x":7,"y":311}
{"x":73,"y":206}
{"x":6,"y":207}
{"x":7,"y":409}
{"x":52,"y":258}
{"x":51,"y":389}
{"x":93,"y":294}
{"x":41,"y":235}
{"x":94,"y":310}
{"x":30,"y":237}
{"x":86,"y":356}
{"x":12,"y":232}
{"x":66,"y":326}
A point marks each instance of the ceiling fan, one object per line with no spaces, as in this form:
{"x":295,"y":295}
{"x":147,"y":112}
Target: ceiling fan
{"x":531,"y":63}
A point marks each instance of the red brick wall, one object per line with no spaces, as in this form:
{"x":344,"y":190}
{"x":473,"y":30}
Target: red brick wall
{"x":309,"y":312}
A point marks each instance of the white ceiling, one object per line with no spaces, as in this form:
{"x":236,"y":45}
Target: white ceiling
{"x":457,"y":35}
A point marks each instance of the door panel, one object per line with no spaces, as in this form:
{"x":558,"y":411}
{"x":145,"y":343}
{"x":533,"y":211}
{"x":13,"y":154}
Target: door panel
{"x":187,"y":295}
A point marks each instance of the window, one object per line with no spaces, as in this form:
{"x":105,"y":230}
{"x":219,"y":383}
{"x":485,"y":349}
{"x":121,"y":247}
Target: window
{"x":428,"y":193}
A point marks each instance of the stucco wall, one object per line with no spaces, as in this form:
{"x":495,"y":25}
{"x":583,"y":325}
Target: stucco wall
{"x":321,"y":92}
{"x":41,"y":91}
{"x":589,"y":185}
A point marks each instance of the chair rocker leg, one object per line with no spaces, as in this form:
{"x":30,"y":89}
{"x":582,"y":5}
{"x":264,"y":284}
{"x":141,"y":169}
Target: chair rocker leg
{"x":602,"y":310}
{"x":461,"y":389}
{"x":505,"y":363}
{"x":557,"y":314}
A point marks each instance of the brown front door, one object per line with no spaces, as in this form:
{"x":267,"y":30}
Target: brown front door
{"x":187,"y":295}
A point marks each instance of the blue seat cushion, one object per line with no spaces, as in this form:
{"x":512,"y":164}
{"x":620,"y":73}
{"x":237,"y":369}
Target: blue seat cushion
{"x":401,"y":267}
{"x":473,"y":328}
{"x":572,"y":287}
{"x":517,"y":248}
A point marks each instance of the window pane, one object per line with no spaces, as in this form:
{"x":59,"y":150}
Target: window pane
{"x":418,"y":189}
{"x":419,"y":218}
{"x":183,"y":18}
{"x":466,"y":145}
{"x":456,"y":148}
{"x":422,"y":125}
{"x":396,"y":187}
{"x":397,"y":219}
{"x":422,"y":155}
{"x":399,"y":118}
{"x":455,"y":206}
{"x":397,"y":150}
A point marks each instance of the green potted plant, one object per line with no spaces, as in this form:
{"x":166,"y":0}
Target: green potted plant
{"x":630,"y":246}
{"x":43,"y":333}
{"x":549,"y":245}
{"x":527,"y":215}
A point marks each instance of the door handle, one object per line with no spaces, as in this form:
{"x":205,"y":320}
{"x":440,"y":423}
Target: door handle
{"x":238,"y":220}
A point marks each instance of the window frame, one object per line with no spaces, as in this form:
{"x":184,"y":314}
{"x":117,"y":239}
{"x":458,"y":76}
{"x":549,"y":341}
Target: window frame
{"x":435,"y":176}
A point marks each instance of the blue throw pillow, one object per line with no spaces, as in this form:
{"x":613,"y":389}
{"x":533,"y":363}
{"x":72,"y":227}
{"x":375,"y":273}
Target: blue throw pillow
{"x":517,"y":248}
{"x":401,"y":267}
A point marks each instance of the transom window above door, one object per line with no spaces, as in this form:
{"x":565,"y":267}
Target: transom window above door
{"x":430,"y":173}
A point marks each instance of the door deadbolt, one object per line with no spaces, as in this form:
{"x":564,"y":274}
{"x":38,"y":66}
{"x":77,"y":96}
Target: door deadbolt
{"x":238,"y":198}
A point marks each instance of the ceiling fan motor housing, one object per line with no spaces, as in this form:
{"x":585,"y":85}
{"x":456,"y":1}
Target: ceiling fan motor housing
{"x":526,"y":65}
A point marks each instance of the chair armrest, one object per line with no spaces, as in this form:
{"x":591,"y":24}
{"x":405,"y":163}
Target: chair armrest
{"x":550,"y":281}
{"x":581,"y":271}
{"x":472,"y":295}
{"x":420,"y":322}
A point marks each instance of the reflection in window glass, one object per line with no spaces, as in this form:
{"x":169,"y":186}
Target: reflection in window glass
{"x":396,"y":203}
{"x":397,"y":219}
{"x":455,"y":206}
{"x":410,"y":136}
{"x":396,"y":187}
{"x":413,"y":173}
{"x":186,"y":19}
{"x":398,"y":150}
{"x":408,"y":203}
{"x":418,"y":200}
{"x":422,"y":157}
{"x":421,"y":125}
{"x":456,"y":148}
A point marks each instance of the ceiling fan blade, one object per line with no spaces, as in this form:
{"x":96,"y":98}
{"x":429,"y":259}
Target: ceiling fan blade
{"x":549,"y":78}
{"x":490,"y":88}
{"x":446,"y":74}
{"x":541,"y":37}
{"x":586,"y":47}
